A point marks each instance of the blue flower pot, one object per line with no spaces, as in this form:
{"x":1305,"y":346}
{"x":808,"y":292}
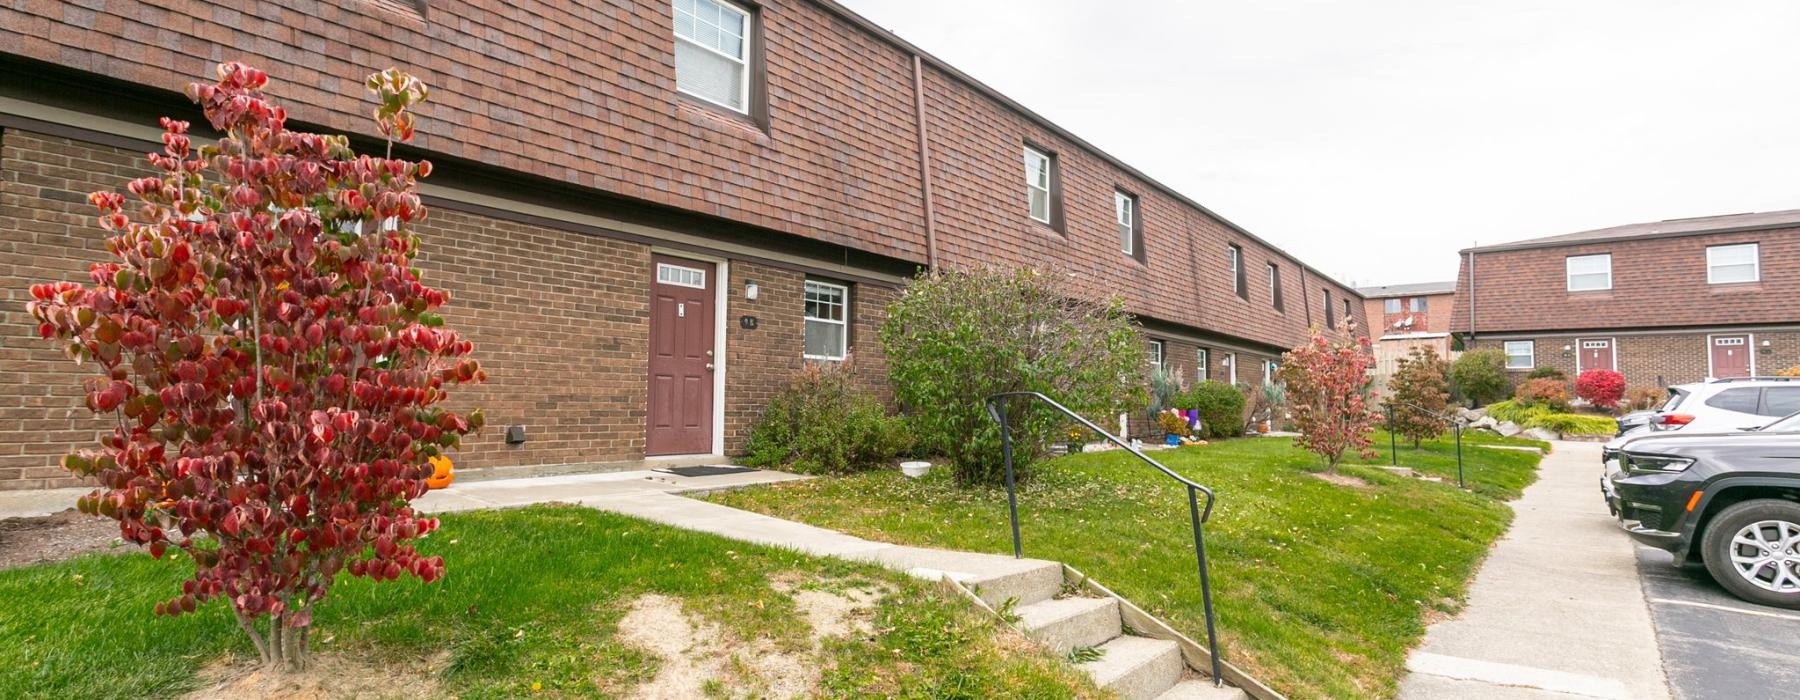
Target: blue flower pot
{"x":1171,"y":439}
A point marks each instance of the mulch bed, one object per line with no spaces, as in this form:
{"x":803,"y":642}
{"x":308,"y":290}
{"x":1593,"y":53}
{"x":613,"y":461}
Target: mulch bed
{"x":55,"y":537}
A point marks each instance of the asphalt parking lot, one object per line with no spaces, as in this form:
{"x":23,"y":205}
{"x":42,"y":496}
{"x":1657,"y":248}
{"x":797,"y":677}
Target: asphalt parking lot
{"x":1713,"y":644}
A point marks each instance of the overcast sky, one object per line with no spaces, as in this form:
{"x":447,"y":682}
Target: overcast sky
{"x":1375,"y":139}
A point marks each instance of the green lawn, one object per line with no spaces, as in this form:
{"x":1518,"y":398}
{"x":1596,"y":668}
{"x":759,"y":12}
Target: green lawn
{"x":529,"y":607}
{"x":1320,"y":589}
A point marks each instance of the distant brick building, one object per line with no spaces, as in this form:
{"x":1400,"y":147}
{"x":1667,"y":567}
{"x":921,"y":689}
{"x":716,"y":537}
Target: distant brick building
{"x":755,"y":178}
{"x":1663,"y":303}
{"x":1411,"y":315}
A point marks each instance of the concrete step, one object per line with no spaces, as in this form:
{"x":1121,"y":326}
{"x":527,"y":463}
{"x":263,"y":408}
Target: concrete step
{"x":1137,"y":668}
{"x":1200,"y":689}
{"x":1025,"y":585}
{"x":1066,"y":623}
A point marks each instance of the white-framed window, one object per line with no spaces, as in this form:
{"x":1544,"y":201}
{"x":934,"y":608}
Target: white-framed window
{"x":1230,"y":361}
{"x":1416,"y":304}
{"x":1730,"y":264}
{"x":1269,"y":369}
{"x":827,"y":320}
{"x":680,"y":276}
{"x":1390,"y":306}
{"x":1521,"y":354}
{"x":1588,"y":273}
{"x":1155,"y":353}
{"x":712,"y":52}
{"x":1330,"y":313}
{"x":1125,"y":214}
{"x":1201,"y":370}
{"x":1235,"y":256}
{"x":1037,"y":183}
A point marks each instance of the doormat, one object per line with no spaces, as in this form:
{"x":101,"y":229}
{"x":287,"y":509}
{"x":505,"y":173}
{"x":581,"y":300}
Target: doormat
{"x":705,"y":470}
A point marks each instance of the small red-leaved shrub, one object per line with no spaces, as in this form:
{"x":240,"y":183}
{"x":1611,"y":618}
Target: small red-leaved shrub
{"x":1600,"y":387}
{"x":1327,"y":387}
{"x":1543,"y":392}
{"x":274,"y":367}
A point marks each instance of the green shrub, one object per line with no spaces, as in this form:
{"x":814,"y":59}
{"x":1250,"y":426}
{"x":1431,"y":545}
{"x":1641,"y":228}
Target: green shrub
{"x":1547,"y":372}
{"x":1578,"y":424}
{"x":1542,"y":416}
{"x":1221,"y":408}
{"x":956,"y":337}
{"x":1479,"y":376}
{"x":820,"y":424}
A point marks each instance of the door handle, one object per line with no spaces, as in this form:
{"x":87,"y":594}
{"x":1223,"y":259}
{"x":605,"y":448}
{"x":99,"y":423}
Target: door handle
{"x":709,"y":366}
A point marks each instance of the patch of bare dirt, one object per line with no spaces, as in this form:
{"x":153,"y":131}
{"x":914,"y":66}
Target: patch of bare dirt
{"x":1342,"y":480}
{"x":698,"y":657}
{"x":328,"y":677}
{"x":54,"y":537}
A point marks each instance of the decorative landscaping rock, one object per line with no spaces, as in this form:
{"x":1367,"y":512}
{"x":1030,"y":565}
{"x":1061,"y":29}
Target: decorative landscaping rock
{"x":1542,"y":434}
{"x":1485,"y":422}
{"x":1471,"y":415}
{"x":1508,"y":429}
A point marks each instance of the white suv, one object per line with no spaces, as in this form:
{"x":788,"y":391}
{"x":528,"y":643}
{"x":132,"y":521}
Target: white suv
{"x":1719,"y":405}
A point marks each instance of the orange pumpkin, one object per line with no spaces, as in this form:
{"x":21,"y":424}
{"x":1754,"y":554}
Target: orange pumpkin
{"x":442,"y":473}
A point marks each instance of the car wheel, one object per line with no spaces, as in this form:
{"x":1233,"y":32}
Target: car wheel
{"x":1753,"y":550}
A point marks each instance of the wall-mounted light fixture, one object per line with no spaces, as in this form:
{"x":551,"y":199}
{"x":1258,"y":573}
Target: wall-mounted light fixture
{"x":1568,"y":351}
{"x":1766,"y":349}
{"x":750,"y":290}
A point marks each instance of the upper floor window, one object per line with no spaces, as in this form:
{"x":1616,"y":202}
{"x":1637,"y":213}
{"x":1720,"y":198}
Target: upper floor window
{"x":1125,"y":211}
{"x":712,"y":52}
{"x":1155,"y":353}
{"x":1520,"y":354}
{"x":1041,"y":186}
{"x":1275,"y":286}
{"x":1589,"y":273}
{"x":1330,"y":314}
{"x":1390,"y":306}
{"x":1348,"y":316}
{"x":1417,"y":304}
{"x":1235,"y":256}
{"x":1726,"y":264}
{"x":827,"y":320}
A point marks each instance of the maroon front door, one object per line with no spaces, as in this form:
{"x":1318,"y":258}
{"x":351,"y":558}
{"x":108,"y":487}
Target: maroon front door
{"x":1730,"y":355}
{"x":681,"y":357}
{"x":1596,"y":353}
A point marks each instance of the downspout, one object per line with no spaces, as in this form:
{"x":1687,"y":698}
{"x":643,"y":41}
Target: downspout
{"x":1471,"y":295}
{"x":931,"y":252}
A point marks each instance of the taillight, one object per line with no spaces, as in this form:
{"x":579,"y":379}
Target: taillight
{"x":1670,"y":421}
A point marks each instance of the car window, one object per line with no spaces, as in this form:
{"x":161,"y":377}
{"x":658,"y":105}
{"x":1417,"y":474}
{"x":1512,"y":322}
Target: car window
{"x":1675,"y":397}
{"x":1780,"y":400}
{"x":1785,"y":425}
{"x":1741,"y":399}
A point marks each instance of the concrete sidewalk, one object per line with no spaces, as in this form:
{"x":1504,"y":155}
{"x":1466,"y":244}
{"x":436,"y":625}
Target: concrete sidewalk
{"x":1556,"y":611}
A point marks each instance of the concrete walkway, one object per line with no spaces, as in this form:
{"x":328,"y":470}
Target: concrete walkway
{"x":1557,"y":610}
{"x":655,"y":496}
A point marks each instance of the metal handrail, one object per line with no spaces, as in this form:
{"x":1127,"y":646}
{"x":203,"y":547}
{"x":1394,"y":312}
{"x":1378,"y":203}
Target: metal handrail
{"x":996,"y":409}
{"x":1456,"y":423}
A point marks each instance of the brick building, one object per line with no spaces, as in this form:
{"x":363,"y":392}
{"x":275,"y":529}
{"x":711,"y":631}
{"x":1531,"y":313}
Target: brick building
{"x":1412,"y":315}
{"x":1663,"y":303}
{"x":648,"y":212}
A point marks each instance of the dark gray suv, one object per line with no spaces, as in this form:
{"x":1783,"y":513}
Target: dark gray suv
{"x":1728,"y":500}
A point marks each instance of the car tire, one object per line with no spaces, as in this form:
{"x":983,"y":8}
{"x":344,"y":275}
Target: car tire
{"x":1756,"y":572}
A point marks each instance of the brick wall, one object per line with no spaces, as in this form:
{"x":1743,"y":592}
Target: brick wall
{"x":1651,"y":360}
{"x":1655,"y":282}
{"x":584,"y":93}
{"x":48,"y":235}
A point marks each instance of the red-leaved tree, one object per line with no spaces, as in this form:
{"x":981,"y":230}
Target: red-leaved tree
{"x":1600,"y":387}
{"x":1328,"y":394}
{"x":274,"y":367}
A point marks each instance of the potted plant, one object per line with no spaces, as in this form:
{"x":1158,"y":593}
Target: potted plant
{"x":1174,"y":426}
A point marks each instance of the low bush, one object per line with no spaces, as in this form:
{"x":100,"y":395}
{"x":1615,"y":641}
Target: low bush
{"x":1547,"y":372}
{"x":1479,"y":376}
{"x":819,"y":423}
{"x":1540,"y":416}
{"x":1552,"y":393}
{"x":1601,"y":387}
{"x":1644,"y":398}
{"x":1221,"y":408}
{"x":1793,"y":371}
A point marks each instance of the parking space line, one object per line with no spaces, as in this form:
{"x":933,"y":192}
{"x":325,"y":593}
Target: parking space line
{"x":1727,"y":608}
